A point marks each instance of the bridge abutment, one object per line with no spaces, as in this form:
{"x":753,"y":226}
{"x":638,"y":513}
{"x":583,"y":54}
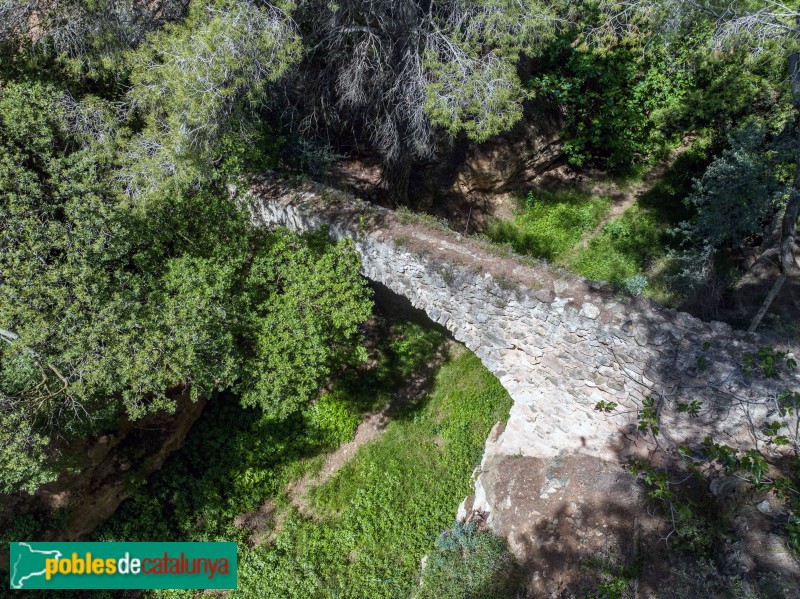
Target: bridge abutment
{"x":560,"y":345}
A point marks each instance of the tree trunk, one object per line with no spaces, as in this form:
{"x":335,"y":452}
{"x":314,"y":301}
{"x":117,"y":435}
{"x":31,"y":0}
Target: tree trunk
{"x":396,"y":177}
{"x":789,"y":267}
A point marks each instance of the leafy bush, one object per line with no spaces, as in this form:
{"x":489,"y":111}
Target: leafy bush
{"x":106,"y":305}
{"x":309,"y":156}
{"x":466,"y":562}
{"x":728,"y":88}
{"x":611,"y":101}
{"x":331,"y":419}
{"x":24,"y":527}
{"x":737,"y":192}
{"x":23,"y":455}
{"x":410,"y":342}
{"x":732,"y":201}
{"x":635,"y":285}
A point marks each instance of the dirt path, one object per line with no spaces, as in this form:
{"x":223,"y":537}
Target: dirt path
{"x":624,"y":196}
{"x":264,"y":523}
{"x":371,"y":427}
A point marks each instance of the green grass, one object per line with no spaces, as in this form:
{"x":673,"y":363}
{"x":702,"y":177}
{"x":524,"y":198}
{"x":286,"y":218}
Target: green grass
{"x":385,"y":509}
{"x":630,"y":252}
{"x":552,"y":226}
{"x":377,"y":517}
{"x":622,"y":250}
{"x":548,"y":224}
{"x":632,"y":249}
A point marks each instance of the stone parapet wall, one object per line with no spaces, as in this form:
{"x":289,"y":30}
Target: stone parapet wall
{"x":558,"y":344}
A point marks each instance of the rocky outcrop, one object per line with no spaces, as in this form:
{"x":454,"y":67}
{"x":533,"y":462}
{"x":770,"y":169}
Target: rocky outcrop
{"x":469,"y":177}
{"x":559,"y":344}
{"x":513,"y":160}
{"x":90,"y":492}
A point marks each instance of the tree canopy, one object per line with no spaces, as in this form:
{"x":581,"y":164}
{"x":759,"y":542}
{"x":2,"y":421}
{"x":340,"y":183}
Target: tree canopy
{"x":387,"y":73}
{"x":127,"y":270}
{"x":113,"y":299}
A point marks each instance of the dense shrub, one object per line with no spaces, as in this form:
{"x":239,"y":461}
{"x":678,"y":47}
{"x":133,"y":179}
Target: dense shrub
{"x":108,"y":304}
{"x":466,"y":562}
{"x":613,"y":102}
{"x":740,"y":188}
{"x":733,"y":201}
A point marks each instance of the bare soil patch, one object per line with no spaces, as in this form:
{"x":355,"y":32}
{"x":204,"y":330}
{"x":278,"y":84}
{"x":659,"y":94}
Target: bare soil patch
{"x":577,"y":522}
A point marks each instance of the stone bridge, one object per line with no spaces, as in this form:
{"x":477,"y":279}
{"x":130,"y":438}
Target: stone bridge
{"x":559,"y":344}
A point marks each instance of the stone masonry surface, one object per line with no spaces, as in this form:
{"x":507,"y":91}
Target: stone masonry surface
{"x":559,"y":344}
